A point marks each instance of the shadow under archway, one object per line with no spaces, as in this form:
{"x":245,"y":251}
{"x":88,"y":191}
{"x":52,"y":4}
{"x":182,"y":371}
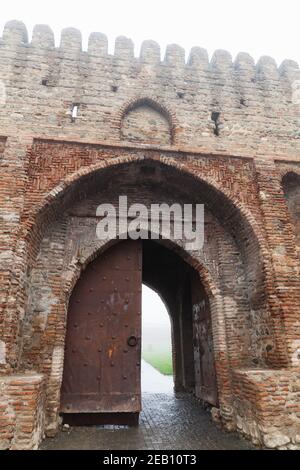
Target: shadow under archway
{"x":291,"y":189}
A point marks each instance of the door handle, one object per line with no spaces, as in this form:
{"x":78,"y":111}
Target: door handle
{"x":132,"y":341}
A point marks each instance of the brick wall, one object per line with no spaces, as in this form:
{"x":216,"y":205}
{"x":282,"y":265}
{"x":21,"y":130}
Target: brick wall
{"x":2,"y":146}
{"x":21,"y":415}
{"x":267,"y":407}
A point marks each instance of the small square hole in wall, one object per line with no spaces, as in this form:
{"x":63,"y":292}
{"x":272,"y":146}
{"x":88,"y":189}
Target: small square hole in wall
{"x":114,"y":88}
{"x":215,"y":115}
{"x":74,"y":111}
{"x":180,"y":94}
{"x":45,"y":82}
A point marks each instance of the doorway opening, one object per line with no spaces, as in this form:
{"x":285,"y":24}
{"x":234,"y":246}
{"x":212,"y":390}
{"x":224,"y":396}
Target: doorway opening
{"x":102,"y":368}
{"x":157,"y":357}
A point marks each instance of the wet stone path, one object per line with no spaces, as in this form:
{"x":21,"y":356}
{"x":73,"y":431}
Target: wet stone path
{"x":166,"y":422}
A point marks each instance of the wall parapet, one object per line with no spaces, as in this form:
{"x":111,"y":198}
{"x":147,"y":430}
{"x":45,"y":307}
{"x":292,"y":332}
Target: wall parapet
{"x":15,"y":35}
{"x":216,"y":104}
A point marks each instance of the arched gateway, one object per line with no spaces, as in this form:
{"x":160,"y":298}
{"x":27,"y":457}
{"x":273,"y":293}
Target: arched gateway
{"x":102,"y":363}
{"x":169,"y":132}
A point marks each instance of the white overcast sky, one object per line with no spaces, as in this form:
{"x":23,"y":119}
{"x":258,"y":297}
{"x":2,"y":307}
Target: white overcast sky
{"x":154,"y":311}
{"x":260,"y":27}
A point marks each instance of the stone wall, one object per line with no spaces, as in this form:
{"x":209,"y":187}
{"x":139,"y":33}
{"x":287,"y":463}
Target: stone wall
{"x":257,"y":104}
{"x":78,"y":127}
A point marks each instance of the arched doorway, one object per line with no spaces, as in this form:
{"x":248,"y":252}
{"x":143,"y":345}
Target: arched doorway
{"x":230,"y":276}
{"x":102,"y":366}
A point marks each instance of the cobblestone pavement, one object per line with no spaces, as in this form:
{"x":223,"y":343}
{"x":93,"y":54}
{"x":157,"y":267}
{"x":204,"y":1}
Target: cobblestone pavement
{"x":166,"y":422}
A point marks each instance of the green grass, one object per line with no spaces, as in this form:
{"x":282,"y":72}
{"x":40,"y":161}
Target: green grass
{"x":162,"y":361}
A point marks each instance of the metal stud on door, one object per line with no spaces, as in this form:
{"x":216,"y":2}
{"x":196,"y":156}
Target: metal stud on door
{"x":103,"y":344}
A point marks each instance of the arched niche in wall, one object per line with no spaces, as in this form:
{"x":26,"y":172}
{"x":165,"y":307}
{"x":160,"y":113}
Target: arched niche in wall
{"x":146,"y":121}
{"x":291,"y":188}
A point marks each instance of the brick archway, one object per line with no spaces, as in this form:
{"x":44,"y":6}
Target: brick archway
{"x":78,"y":268}
{"x":50,"y":212}
{"x":36,"y":217}
{"x":46,"y":201}
{"x":233,"y":224}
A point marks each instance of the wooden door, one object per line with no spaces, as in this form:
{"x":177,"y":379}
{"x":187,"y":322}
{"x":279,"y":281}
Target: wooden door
{"x":205,"y":374}
{"x":103,"y":339}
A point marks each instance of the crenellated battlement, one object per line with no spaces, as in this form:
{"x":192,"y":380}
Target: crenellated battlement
{"x":221,"y":104}
{"x":15,"y":34}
